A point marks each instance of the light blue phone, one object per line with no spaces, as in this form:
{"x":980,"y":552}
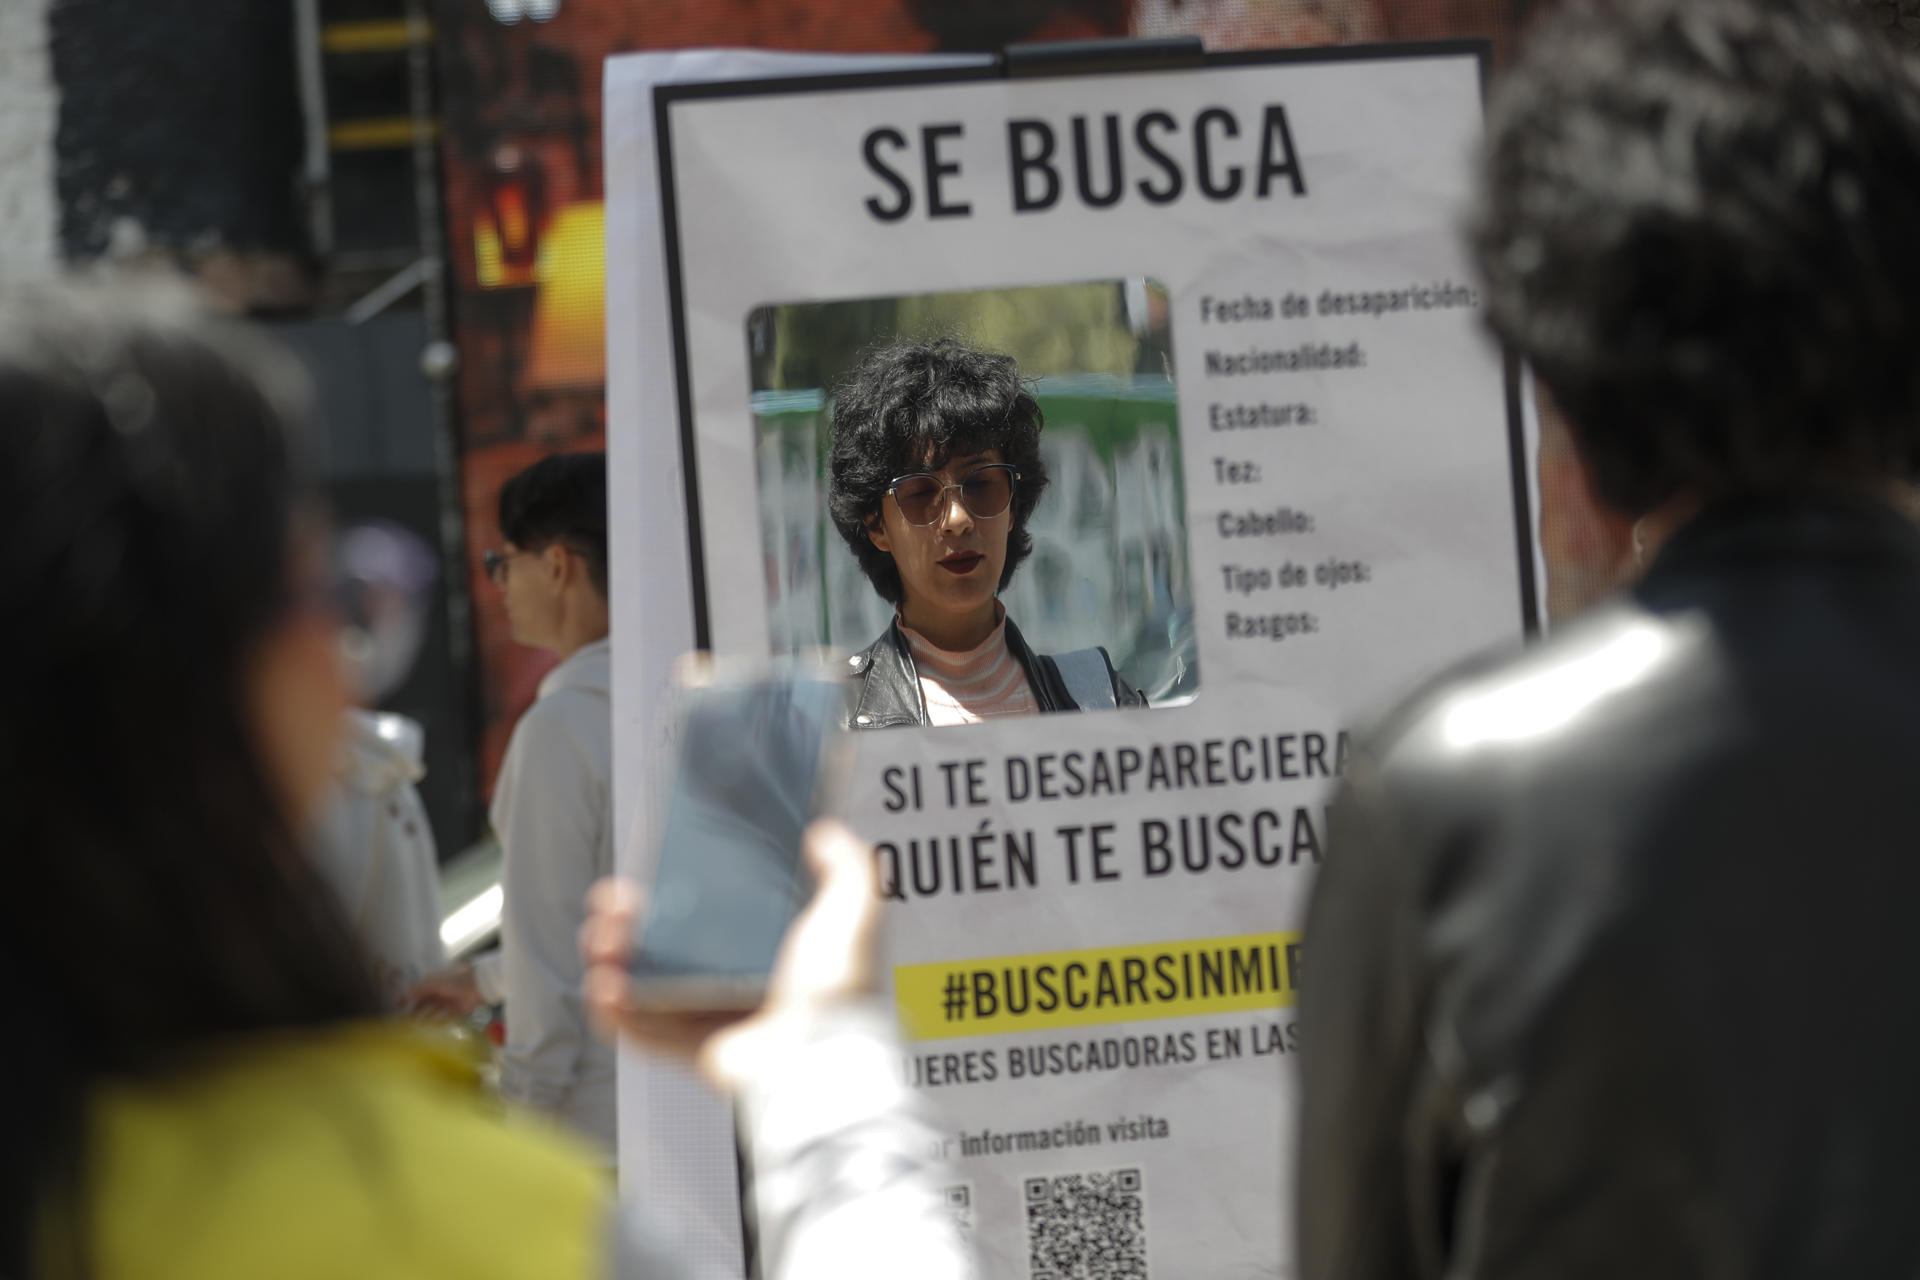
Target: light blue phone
{"x":756,"y":761}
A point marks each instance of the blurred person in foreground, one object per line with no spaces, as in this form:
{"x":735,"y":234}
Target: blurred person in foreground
{"x":552,"y":803}
{"x":1612,"y":953}
{"x":200,"y":1083}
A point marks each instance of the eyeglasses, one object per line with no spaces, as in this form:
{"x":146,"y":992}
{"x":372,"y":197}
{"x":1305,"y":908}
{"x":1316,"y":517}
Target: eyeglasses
{"x":984,"y":491}
{"x":495,"y":562}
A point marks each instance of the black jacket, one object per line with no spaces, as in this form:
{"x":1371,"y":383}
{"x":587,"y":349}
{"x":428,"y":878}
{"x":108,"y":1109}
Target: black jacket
{"x":889,"y":693}
{"x":1611,"y":968}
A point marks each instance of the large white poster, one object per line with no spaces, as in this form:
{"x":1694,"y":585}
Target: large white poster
{"x":676,"y":1138}
{"x":1285,"y":484}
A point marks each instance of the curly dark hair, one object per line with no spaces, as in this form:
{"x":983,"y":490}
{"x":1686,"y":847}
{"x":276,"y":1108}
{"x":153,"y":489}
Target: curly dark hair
{"x":1700,"y":222}
{"x":911,"y":406}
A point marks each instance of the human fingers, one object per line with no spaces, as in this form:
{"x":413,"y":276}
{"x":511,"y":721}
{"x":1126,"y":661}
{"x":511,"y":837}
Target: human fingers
{"x":606,"y":935}
{"x":604,"y":989}
{"x":848,"y":874}
{"x":613,"y":895}
{"x":831,"y":951}
{"x":452,"y":991}
{"x":678,"y":1033}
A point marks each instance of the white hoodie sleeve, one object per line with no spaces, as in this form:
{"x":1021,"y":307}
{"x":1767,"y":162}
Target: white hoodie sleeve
{"x":374,"y":845}
{"x":550,"y":812}
{"x":842,"y":1176}
{"x":844,"y":1182}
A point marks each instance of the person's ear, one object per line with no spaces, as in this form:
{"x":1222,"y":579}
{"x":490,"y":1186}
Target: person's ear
{"x":877,"y":533}
{"x":553,"y":563}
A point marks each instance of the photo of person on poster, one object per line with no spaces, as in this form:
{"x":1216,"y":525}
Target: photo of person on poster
{"x":935,"y":470}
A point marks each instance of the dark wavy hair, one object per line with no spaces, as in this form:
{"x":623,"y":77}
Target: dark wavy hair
{"x":1700,"y":223}
{"x":560,"y":499}
{"x":911,"y":406}
{"x":158,"y":895}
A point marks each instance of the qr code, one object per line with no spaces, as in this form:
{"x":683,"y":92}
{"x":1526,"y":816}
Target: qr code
{"x":958,"y":1200}
{"x":1087,"y":1226}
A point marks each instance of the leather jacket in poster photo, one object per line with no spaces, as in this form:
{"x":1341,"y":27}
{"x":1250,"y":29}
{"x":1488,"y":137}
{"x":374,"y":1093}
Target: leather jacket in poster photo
{"x":889,"y":694}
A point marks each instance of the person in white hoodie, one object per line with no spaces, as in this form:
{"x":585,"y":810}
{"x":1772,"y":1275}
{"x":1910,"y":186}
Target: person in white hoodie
{"x":552,"y":804}
{"x":375,"y":848}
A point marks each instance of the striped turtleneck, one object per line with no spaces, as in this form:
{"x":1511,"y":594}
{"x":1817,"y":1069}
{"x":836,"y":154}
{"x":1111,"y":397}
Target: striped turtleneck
{"x":981,"y":683}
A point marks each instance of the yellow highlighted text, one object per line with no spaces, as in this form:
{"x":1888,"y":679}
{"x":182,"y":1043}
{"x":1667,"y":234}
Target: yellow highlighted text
{"x":1097,"y":986}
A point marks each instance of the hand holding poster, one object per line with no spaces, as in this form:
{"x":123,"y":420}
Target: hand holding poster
{"x":1280,"y":469}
